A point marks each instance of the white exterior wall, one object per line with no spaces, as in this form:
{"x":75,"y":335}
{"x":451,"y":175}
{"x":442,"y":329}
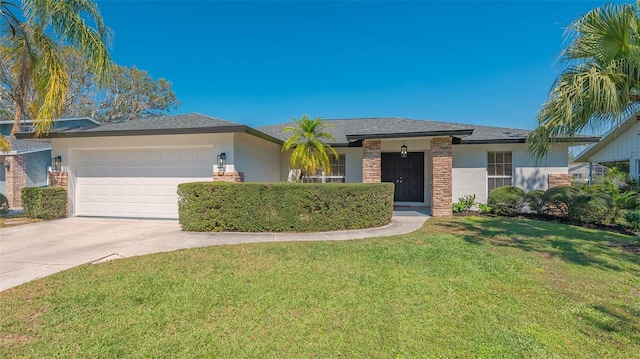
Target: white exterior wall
{"x":419,"y":144}
{"x":622,"y":148}
{"x":470,"y":168}
{"x":257,"y":158}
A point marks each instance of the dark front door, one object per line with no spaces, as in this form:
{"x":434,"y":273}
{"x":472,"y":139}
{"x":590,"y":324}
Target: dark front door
{"x":406,"y":173}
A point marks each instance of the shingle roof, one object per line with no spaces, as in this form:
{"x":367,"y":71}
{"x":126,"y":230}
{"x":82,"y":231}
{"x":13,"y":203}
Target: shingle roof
{"x":26,"y":146}
{"x":186,"y":121}
{"x":161,"y":125}
{"x":346,"y":130}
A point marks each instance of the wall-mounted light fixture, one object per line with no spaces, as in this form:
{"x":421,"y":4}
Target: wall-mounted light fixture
{"x":222,"y":162}
{"x":56,"y":163}
{"x":403,"y":150}
{"x":7,"y":166}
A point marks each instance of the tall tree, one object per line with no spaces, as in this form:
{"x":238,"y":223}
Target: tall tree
{"x":35,"y":55}
{"x":309,"y":141}
{"x":131,"y":93}
{"x":600,"y":84}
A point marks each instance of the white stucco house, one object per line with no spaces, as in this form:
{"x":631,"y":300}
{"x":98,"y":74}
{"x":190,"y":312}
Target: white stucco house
{"x":620,"y":147}
{"x":131,"y":169}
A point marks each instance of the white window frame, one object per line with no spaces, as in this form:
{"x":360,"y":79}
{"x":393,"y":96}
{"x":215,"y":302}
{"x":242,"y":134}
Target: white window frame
{"x":320,"y":176}
{"x":496,"y":163}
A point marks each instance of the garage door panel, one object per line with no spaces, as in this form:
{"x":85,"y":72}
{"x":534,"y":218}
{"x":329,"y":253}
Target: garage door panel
{"x":140,"y":183}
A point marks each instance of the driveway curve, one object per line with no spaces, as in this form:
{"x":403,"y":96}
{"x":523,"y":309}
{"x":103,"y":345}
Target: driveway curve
{"x":32,"y":251}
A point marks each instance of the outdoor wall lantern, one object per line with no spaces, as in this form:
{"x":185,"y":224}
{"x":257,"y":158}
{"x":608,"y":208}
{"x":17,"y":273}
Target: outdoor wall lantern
{"x":403,"y":150}
{"x":6,"y":165}
{"x":56,"y":163}
{"x":222,"y":162}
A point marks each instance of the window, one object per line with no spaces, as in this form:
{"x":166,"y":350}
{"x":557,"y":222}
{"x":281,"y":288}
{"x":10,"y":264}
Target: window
{"x":337,"y":171}
{"x":499,"y":168}
{"x":622,"y":166}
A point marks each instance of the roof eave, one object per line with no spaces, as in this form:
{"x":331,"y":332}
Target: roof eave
{"x":145,"y":132}
{"x":456,"y":133}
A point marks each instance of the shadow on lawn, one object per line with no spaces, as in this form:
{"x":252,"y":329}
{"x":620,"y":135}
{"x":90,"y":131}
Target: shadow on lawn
{"x":621,"y":320}
{"x":569,"y":243}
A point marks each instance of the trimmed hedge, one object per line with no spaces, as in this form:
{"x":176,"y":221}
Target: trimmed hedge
{"x":44,"y":202}
{"x":283,"y":207}
{"x":591,"y":208}
{"x":506,"y":200}
{"x":557,"y":199}
{"x":4,"y":205}
{"x":535,"y":201}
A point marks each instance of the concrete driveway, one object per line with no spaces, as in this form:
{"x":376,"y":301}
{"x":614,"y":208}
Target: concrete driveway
{"x":32,"y":251}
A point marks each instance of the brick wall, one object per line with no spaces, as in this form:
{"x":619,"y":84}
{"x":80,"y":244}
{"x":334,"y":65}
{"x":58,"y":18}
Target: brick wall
{"x":15,"y":179}
{"x":371,"y":162}
{"x":228,"y":176}
{"x":60,"y":179}
{"x":558,"y":179}
{"x":441,"y":177}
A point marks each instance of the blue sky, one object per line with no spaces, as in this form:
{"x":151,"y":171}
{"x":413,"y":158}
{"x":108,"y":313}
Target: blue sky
{"x":258,"y":63}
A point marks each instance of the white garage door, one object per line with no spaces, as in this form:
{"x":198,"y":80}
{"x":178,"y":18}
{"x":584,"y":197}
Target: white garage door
{"x":137,"y":183}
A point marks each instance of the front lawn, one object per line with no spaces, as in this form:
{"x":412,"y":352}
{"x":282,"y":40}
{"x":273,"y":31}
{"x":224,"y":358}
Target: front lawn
{"x":459,"y":287}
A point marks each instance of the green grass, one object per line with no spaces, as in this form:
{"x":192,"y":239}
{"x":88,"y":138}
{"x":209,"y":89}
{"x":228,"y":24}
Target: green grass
{"x":461,"y":287}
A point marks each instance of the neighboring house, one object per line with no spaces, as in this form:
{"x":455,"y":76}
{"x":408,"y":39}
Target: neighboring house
{"x":26,"y":164}
{"x":131,"y":169}
{"x":619,"y":148}
{"x":580,"y":172}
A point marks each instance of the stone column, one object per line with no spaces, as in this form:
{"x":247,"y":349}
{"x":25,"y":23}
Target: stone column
{"x":228,"y":176}
{"x":441,"y":177}
{"x":371,"y":162}
{"x":558,"y":179}
{"x":15,"y":179}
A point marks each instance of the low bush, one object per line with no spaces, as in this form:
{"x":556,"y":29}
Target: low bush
{"x":44,"y":202}
{"x":591,"y":208}
{"x":536,"y":202}
{"x":464,"y":203}
{"x":633,"y":219}
{"x":557,"y":199}
{"x":283,"y":207}
{"x":506,"y":200}
{"x":4,"y":205}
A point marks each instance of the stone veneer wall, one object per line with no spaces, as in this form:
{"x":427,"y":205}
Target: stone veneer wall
{"x":228,"y":176}
{"x":441,"y":177}
{"x":371,"y":161}
{"x":558,"y":179}
{"x":15,"y":179}
{"x":60,"y":179}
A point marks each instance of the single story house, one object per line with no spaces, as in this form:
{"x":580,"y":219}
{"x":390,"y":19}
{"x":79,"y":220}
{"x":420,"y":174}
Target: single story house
{"x":25,"y":165}
{"x":619,"y":148}
{"x":131,"y":169}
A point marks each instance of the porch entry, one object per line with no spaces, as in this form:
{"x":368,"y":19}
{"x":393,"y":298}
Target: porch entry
{"x":406,"y":173}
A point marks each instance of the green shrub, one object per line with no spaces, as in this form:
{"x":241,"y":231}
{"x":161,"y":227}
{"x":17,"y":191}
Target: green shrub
{"x":484,"y":208}
{"x":633,"y":219}
{"x":506,"y":200}
{"x":44,"y":202}
{"x":557,"y":199}
{"x":591,"y":208}
{"x":4,"y":205}
{"x":283,"y":207}
{"x":464,"y":203}
{"x":536,"y":202}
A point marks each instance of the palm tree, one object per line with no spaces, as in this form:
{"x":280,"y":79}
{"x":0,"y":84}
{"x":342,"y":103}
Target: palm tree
{"x":33,"y":49}
{"x":309,"y":141}
{"x":600,"y":84}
